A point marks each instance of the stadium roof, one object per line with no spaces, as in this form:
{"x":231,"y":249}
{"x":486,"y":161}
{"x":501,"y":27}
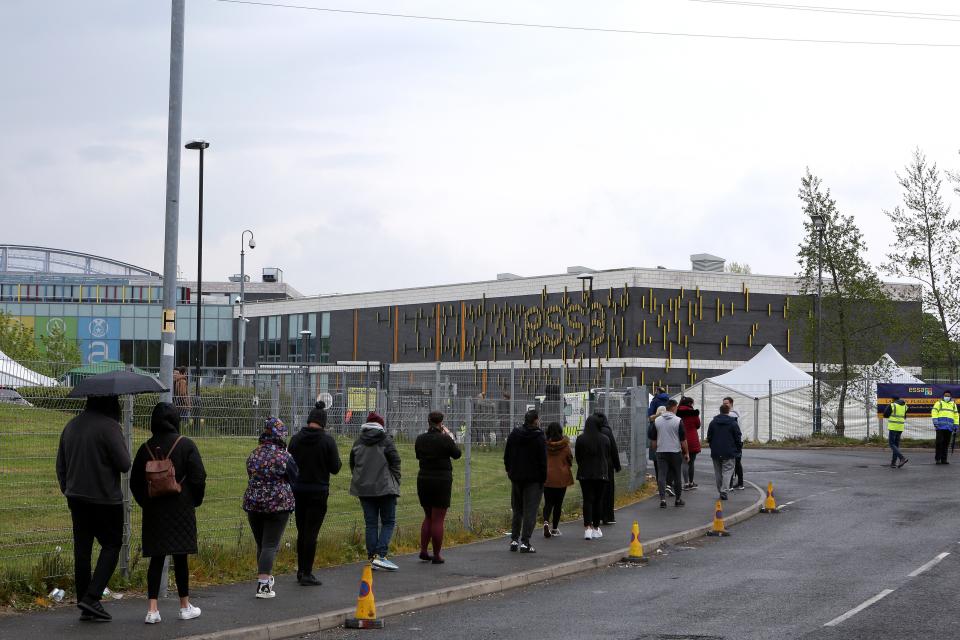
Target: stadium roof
{"x":16,"y":258}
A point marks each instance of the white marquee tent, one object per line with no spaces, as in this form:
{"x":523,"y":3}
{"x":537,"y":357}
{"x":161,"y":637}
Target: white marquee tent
{"x":14,"y":374}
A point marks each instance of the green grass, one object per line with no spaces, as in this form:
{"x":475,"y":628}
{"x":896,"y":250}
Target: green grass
{"x":35,"y":534}
{"x":831,"y":441}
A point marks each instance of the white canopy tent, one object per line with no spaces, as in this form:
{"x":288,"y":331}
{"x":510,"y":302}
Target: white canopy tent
{"x":14,"y":374}
{"x":886,"y":370}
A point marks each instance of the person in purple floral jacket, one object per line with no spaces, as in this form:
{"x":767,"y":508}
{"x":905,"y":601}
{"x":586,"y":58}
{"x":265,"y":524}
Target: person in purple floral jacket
{"x":268,"y":499}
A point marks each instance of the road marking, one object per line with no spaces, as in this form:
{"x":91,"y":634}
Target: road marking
{"x":936,"y":560}
{"x":849,"y":614}
{"x":814,"y":495}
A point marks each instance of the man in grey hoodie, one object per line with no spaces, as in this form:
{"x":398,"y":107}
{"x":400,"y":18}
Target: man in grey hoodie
{"x":669,"y":439}
{"x":375,"y":464}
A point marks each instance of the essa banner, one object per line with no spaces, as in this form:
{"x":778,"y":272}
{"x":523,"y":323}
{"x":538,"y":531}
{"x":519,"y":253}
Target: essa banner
{"x":919,"y":398}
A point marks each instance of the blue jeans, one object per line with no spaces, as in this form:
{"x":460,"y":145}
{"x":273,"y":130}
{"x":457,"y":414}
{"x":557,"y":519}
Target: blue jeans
{"x":380,"y":518}
{"x":893,"y":439}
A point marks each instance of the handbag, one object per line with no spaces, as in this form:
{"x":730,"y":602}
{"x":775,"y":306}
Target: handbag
{"x":161,"y":475}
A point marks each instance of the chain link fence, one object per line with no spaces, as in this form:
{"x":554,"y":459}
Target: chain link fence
{"x":481,"y":406}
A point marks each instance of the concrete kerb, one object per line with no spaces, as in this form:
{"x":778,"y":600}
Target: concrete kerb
{"x":447,"y":595}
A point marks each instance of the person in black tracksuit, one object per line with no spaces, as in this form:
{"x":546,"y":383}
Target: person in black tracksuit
{"x":525,"y":459}
{"x":607,"y":515}
{"x":592,"y":451}
{"x":316,"y":454}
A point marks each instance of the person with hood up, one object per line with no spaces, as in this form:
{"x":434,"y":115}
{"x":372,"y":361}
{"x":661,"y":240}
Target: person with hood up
{"x":592,"y":451}
{"x":525,"y":460}
{"x":269,"y":499}
{"x":435,"y":449}
{"x":169,"y":521}
{"x":659,"y":400}
{"x":315,"y":452}
{"x":607,"y":514}
{"x":375,"y":464}
{"x":726,"y":443}
{"x":90,"y":458}
{"x":896,"y":415}
{"x":559,"y":477}
{"x":690,"y":418}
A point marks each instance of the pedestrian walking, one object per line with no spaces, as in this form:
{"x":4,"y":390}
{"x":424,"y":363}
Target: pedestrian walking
{"x":168,"y":481}
{"x":670,"y":441}
{"x":525,"y":459}
{"x":896,"y":415}
{"x":181,"y":392}
{"x":559,"y":477}
{"x":945,"y":421}
{"x":317,"y":457}
{"x":652,"y":450}
{"x":592,"y":451}
{"x":726,"y":441}
{"x":375,"y":464}
{"x":607,"y":511}
{"x":268,"y":500}
{"x":736,"y":481}
{"x":435,"y":449}
{"x":690,"y":418}
{"x":90,"y":458}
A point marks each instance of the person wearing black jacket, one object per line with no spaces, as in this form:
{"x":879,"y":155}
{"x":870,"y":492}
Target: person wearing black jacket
{"x":316,"y":454}
{"x":169,"y":522}
{"x":90,"y":458}
{"x":607,"y":515}
{"x":435,"y":449}
{"x":592,"y":451}
{"x":525,"y":459}
{"x":726,"y":445}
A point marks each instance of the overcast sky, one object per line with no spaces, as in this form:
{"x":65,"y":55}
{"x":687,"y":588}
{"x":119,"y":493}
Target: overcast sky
{"x":372,"y":152}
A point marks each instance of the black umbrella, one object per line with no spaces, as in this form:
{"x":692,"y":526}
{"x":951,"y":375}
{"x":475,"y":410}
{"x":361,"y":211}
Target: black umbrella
{"x":116,"y":383}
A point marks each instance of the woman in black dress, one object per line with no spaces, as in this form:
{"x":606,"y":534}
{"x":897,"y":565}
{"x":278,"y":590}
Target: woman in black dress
{"x":435,"y":449}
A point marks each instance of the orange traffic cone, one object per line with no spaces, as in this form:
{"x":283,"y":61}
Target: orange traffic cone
{"x":635,"y":554}
{"x":718,"y":528}
{"x":769,"y":505}
{"x":366,"y":616}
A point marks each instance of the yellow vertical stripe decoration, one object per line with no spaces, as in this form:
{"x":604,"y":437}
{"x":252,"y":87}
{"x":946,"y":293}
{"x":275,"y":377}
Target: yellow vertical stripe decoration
{"x":718,"y":309}
{"x":726,"y":341}
{"x":748,"y":300}
{"x":769,"y":310}
{"x":644,"y":332}
{"x":788,"y":340}
{"x":688,"y":363}
{"x":731,"y":307}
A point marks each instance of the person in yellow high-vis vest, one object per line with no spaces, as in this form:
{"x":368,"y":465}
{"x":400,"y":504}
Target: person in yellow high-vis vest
{"x":896,"y":415}
{"x":945,"y":421}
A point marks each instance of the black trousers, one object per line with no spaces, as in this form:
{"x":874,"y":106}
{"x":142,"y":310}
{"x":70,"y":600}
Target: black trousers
{"x":310,"y":512}
{"x":553,"y":504}
{"x":592,"y":491}
{"x":668,"y":469}
{"x":943,"y":444}
{"x":737,"y":478}
{"x":524,"y":500}
{"x":103,"y":523}
{"x":181,"y":571}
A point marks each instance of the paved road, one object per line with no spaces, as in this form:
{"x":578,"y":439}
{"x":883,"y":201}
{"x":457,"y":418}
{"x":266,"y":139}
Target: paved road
{"x":851,"y":529}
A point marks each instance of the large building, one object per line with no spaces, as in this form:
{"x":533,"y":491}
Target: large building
{"x":660,"y":325}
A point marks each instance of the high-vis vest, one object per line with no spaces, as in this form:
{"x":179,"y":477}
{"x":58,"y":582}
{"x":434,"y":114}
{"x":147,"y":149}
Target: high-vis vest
{"x":945,"y":415}
{"x":898,"y":413}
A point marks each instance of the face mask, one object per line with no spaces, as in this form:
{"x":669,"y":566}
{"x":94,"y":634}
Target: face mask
{"x":947,"y":398}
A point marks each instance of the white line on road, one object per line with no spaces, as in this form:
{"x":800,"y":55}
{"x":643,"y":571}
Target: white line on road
{"x":849,"y":614}
{"x":787,"y":504}
{"x":920,"y":570}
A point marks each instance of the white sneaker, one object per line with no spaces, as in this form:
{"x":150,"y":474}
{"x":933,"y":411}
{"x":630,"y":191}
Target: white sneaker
{"x":271,"y":581}
{"x":597,"y":533}
{"x":189,"y":612}
{"x":264,"y":591}
{"x":555,"y":533}
{"x":588,"y":534}
{"x":153,"y":617}
{"x":381,"y":562}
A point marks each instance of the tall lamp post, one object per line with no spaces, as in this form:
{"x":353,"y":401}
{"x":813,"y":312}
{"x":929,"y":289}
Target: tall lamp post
{"x":584,"y":278}
{"x":242,"y":334}
{"x":199,"y":145}
{"x":819,"y":226}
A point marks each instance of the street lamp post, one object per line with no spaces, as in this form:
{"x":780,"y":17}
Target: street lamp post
{"x":304,"y":351}
{"x":819,"y":225}
{"x":584,"y":278}
{"x":199,"y":145}
{"x":242,"y":333}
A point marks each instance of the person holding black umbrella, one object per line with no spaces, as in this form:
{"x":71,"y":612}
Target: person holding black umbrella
{"x":90,"y":458}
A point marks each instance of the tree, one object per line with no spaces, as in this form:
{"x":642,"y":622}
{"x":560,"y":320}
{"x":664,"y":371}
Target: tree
{"x":856,"y":306}
{"x":16,"y":340}
{"x":60,"y":352}
{"x":926,"y":246}
{"x":738,"y":267}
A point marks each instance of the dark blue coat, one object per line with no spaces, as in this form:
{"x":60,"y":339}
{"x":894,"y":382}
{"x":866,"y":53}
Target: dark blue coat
{"x":724,"y":437}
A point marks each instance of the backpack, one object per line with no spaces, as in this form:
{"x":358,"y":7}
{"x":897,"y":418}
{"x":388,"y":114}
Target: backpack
{"x":161,"y":475}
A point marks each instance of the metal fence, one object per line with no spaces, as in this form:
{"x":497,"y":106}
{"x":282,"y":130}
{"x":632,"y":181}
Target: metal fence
{"x":481,"y":406}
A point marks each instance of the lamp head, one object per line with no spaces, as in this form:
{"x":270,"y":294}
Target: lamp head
{"x":253,"y":243}
{"x":194,"y":145}
{"x":585,"y":276}
{"x":819,"y":222}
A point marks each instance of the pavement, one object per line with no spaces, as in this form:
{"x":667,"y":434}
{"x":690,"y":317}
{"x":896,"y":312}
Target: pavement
{"x":231,"y":611}
{"x":859,"y":551}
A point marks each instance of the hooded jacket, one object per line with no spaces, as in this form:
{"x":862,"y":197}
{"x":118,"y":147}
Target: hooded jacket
{"x":316,"y":454}
{"x":525,"y":456}
{"x":169,"y":522}
{"x":271,"y":472}
{"x":592,"y":450}
{"x":724,"y":437}
{"x":659,"y":400}
{"x":614,"y":454}
{"x":559,"y":464}
{"x":375,"y":463}
{"x":90,"y":458}
{"x":690,"y":418}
